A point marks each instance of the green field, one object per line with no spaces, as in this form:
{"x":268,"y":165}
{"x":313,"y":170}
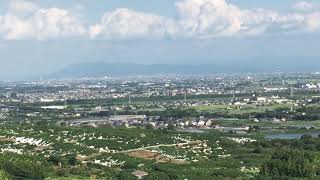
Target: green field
{"x":241,"y":109}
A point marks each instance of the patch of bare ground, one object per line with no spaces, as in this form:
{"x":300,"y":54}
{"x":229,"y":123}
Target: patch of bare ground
{"x":154,"y":156}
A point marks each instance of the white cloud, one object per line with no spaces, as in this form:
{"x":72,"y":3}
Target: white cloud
{"x":125,"y":23}
{"x":14,"y":28}
{"x":203,"y":19}
{"x":217,"y":18}
{"x":313,"y":22}
{"x":199,"y":19}
{"x":56,"y":22}
{"x":209,"y":18}
{"x":42,"y":24}
{"x":306,"y":6}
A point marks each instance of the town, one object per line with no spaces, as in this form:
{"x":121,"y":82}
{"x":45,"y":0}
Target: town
{"x":138,"y":127}
{"x":159,"y":90}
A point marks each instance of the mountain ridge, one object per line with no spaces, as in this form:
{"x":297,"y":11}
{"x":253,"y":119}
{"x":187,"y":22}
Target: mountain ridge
{"x":100,"y":68}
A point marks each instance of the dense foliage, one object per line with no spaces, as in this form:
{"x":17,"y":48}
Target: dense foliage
{"x":20,"y":167}
{"x":291,"y":163}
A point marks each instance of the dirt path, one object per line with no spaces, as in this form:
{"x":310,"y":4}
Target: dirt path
{"x":160,"y":145}
{"x":148,"y":147}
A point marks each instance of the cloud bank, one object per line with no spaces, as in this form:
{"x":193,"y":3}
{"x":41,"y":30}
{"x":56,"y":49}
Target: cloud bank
{"x":196,"y":19}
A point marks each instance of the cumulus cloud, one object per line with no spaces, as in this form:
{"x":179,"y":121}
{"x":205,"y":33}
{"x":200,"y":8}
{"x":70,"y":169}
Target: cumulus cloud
{"x":43,"y":24}
{"x":313,"y":22}
{"x":205,"y":19}
{"x":209,"y":18}
{"x":216,"y":18}
{"x":306,"y":6}
{"x":14,"y":28}
{"x":56,"y":22}
{"x":125,"y":23}
{"x":199,"y":19}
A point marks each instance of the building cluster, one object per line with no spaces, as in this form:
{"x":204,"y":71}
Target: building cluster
{"x":81,"y":89}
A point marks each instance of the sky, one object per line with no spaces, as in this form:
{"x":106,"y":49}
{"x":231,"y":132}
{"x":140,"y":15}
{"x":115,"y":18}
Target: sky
{"x":39,"y":37}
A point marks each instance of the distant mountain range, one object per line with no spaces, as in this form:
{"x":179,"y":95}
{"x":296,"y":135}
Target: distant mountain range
{"x":99,"y":69}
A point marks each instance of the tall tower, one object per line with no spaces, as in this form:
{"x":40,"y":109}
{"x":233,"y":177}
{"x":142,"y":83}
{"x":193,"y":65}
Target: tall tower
{"x":185,"y":94}
{"x":291,"y":83}
{"x":65,"y":104}
{"x":129,"y":98}
{"x":233,"y":93}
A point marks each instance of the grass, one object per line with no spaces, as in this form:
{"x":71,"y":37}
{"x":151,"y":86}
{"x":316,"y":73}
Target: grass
{"x":235,"y":109}
{"x":304,"y":123}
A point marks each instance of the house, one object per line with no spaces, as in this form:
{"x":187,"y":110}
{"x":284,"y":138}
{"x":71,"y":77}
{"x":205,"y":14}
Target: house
{"x":140,"y":174}
{"x":201,"y":123}
{"x":208,"y":123}
{"x":261,"y":99}
{"x":256,"y":120}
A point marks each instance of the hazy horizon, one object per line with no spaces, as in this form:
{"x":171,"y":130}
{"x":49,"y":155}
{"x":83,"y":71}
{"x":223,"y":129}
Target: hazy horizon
{"x":43,"y":37}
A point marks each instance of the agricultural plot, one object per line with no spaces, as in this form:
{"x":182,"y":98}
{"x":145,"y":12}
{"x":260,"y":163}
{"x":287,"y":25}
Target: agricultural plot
{"x":241,"y":109}
{"x":107,"y":151}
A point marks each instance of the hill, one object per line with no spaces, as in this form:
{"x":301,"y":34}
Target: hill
{"x":98,"y":69}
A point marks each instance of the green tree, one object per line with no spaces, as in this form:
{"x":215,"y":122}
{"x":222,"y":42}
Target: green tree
{"x":290,"y":163}
{"x":4,"y":175}
{"x":306,"y":136}
{"x":72,"y":160}
{"x":54,"y":160}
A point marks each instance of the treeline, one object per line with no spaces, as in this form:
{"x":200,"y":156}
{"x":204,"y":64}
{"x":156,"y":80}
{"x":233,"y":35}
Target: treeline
{"x":110,"y":101}
{"x":291,"y":163}
{"x":297,"y":158}
{"x":303,"y":113}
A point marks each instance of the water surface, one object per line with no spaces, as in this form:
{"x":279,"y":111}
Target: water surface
{"x":290,"y":136}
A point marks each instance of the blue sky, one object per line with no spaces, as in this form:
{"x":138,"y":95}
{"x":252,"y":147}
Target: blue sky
{"x":43,"y":36}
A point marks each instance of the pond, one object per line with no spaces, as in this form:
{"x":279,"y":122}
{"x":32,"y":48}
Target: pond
{"x":289,"y":136}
